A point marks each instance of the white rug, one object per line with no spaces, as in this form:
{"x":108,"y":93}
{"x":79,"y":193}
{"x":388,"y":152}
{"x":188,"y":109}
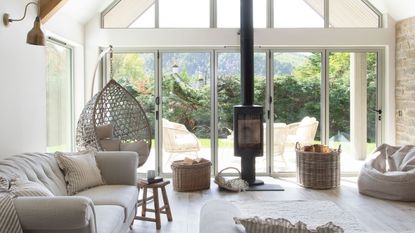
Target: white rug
{"x":312,"y":213}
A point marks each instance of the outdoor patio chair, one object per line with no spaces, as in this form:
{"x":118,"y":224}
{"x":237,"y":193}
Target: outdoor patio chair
{"x":303,"y":132}
{"x":178,"y":140}
{"x":280,"y":139}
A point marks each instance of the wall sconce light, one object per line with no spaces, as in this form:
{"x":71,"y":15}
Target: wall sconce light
{"x":35,"y":36}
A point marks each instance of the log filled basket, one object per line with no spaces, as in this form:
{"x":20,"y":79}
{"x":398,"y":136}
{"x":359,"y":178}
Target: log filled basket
{"x":318,"y":166}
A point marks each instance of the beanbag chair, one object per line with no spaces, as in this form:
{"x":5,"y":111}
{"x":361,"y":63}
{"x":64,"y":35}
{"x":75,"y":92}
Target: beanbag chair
{"x":390,"y":174}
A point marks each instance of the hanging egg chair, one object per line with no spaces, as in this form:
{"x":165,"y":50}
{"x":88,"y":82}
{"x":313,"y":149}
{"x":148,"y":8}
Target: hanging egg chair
{"x":114,"y":120}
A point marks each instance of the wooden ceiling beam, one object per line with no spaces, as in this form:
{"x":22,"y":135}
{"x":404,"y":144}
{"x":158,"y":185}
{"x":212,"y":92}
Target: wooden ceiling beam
{"x":48,"y":8}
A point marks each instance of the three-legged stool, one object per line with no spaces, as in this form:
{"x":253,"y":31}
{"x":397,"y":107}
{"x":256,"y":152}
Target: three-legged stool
{"x":165,"y":209}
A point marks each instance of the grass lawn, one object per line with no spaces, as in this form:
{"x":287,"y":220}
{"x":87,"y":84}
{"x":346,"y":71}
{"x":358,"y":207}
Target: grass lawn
{"x":226,"y":143}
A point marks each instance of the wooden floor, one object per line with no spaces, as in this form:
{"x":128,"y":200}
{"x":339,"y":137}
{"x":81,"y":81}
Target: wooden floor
{"x":377,"y":216}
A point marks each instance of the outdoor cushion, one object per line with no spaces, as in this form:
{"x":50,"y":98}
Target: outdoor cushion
{"x":125,"y":196}
{"x":390,"y":174}
{"x":109,"y":218}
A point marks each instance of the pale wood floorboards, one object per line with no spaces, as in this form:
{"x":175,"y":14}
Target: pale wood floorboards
{"x":377,"y":216}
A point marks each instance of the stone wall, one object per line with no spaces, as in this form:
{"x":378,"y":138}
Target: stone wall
{"x":405,"y":81}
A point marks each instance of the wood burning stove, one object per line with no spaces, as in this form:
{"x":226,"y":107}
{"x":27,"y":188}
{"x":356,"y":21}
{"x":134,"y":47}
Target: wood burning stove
{"x":249,"y":139}
{"x":248,"y":118}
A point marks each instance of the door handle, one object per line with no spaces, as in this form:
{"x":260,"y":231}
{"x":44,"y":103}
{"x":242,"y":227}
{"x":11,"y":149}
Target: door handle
{"x":379,"y":111}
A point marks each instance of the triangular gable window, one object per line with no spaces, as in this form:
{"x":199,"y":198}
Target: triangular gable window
{"x":225,"y":14}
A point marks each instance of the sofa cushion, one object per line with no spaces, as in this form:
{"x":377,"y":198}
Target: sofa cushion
{"x":36,"y":167}
{"x":125,"y":196}
{"x":25,"y":188}
{"x":109,"y":218}
{"x":81,"y":171}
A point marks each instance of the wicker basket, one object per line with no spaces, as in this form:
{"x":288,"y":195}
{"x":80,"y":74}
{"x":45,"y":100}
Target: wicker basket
{"x":234,"y":185}
{"x":318,"y":170}
{"x":191,"y":177}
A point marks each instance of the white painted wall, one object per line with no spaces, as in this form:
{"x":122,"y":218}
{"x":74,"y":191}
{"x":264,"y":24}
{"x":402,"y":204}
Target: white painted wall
{"x":22,"y":85}
{"x":22,"y":81}
{"x":96,"y":37}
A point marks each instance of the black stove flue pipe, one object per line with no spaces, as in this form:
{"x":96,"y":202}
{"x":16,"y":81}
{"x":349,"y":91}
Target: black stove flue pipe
{"x":247,"y":52}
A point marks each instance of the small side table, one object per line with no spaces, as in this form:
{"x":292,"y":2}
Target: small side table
{"x":165,"y":209}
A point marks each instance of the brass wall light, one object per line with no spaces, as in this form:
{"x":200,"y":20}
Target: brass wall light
{"x":35,"y":36}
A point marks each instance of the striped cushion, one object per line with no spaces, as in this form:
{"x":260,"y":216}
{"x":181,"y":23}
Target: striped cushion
{"x":25,"y":188}
{"x":81,"y":171}
{"x":9,"y":221}
{"x":280,"y":225}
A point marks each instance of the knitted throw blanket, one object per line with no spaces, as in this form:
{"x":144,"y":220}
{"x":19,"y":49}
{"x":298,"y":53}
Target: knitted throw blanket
{"x":9,"y":221}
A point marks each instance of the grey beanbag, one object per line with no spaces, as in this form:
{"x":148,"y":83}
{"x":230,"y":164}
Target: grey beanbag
{"x":390,"y":174}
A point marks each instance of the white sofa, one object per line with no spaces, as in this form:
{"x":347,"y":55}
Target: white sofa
{"x":109,"y":208}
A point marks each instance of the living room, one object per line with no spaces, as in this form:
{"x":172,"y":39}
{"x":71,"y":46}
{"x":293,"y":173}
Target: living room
{"x":326,"y":72}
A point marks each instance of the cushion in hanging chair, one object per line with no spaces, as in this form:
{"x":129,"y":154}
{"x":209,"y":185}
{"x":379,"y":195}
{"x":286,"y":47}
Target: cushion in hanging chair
{"x":104,"y":131}
{"x":112,"y":144}
{"x":394,"y":183}
{"x":140,"y":147}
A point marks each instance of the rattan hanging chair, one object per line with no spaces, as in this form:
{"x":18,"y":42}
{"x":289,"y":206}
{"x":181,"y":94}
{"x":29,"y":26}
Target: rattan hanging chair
{"x":113,"y":106}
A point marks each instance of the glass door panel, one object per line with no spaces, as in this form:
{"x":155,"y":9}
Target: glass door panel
{"x":229,"y":91}
{"x":339,"y":98}
{"x":59,"y":97}
{"x":297,"y":105}
{"x":186,"y":106}
{"x":353,"y":105}
{"x":136,"y":73}
{"x":372,"y":102}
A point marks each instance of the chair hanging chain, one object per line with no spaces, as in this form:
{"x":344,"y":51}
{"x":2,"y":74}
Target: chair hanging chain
{"x":111,"y":61}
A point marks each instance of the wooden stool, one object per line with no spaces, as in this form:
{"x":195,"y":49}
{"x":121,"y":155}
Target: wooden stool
{"x":165,"y":209}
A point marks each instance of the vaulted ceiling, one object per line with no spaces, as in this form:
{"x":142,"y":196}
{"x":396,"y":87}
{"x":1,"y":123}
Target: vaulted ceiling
{"x":83,"y":11}
{"x":397,"y":9}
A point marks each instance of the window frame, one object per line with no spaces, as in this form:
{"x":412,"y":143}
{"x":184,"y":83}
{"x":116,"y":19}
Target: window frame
{"x":269,"y":50}
{"x":71,"y":50}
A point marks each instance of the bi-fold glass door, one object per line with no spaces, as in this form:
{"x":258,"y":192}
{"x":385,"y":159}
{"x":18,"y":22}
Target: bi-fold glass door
{"x":309,"y":96}
{"x":186,"y":103}
{"x":355,"y":113}
{"x":297,"y":100}
{"x":326,"y":96}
